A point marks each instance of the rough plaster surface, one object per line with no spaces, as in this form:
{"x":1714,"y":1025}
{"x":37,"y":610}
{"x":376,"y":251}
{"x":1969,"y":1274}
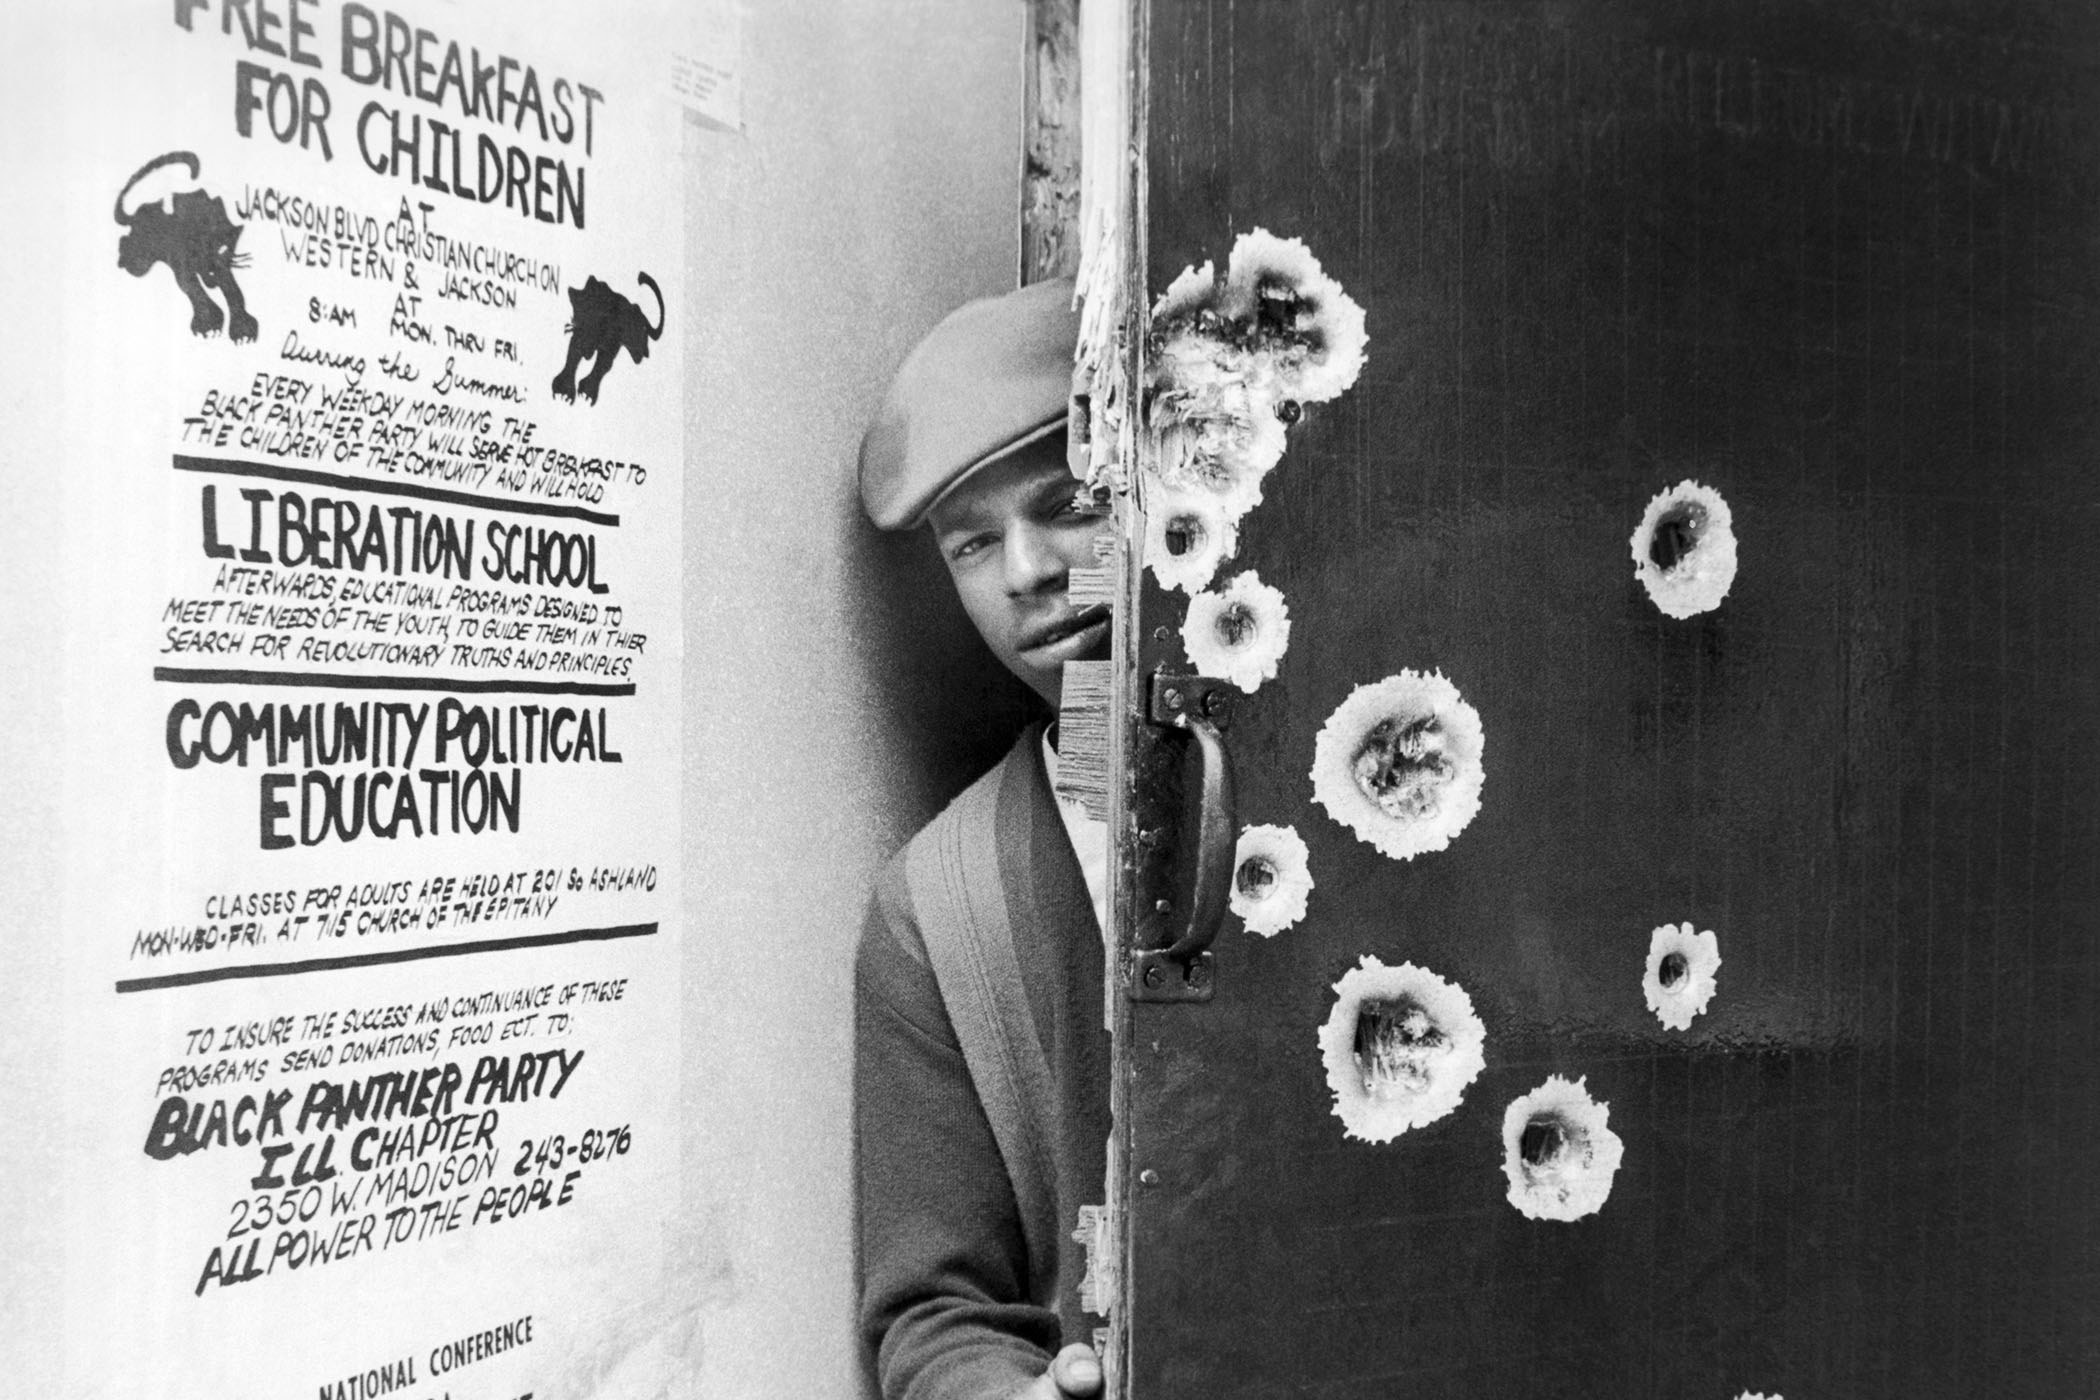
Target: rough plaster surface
{"x":834,"y":695}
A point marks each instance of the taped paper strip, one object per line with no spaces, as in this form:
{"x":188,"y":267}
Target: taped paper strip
{"x":1401,"y":1046}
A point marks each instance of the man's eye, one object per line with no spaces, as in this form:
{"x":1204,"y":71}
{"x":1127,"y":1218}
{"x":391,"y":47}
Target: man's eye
{"x":975,"y":544}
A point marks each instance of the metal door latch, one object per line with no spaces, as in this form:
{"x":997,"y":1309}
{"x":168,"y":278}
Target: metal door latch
{"x":1187,"y":835}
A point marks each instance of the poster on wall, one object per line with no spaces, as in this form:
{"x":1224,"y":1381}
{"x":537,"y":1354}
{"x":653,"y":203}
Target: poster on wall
{"x":370,"y":521}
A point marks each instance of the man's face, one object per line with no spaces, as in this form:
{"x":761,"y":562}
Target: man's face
{"x":1011,"y":535}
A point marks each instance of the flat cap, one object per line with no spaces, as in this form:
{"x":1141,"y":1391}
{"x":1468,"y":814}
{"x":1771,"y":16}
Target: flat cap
{"x":992,"y":376}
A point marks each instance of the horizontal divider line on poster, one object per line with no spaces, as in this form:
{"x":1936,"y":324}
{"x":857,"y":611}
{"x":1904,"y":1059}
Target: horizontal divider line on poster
{"x":230,"y":466}
{"x":396,"y":955}
{"x":330,"y":680}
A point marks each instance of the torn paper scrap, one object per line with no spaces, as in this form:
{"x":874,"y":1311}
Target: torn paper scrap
{"x":1238,"y":633}
{"x":1399,"y":763}
{"x":1679,"y":980}
{"x":1270,"y":879}
{"x":1558,"y":1151}
{"x":1684,"y":550}
{"x":1400,"y":1047}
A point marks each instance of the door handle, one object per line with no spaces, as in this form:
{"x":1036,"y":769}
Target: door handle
{"x":1174,"y":963}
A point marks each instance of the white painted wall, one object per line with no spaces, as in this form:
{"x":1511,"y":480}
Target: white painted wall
{"x":834,"y":695}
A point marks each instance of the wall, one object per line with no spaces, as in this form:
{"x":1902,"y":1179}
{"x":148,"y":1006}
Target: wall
{"x":834,"y":694}
{"x":32,"y":650}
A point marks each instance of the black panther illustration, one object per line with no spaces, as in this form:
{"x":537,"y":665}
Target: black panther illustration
{"x":601,"y":324}
{"x":194,"y":236}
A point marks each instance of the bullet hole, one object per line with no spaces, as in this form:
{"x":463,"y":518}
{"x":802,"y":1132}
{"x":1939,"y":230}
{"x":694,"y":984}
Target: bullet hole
{"x":1238,"y":632}
{"x":1184,"y":535}
{"x":1684,"y":550}
{"x":1544,"y":1138}
{"x":1255,"y":878}
{"x":1186,"y":538}
{"x":1678,"y":980}
{"x":1399,"y":764}
{"x":1289,"y":411}
{"x":1308,"y":332}
{"x":1395,"y":1044}
{"x":1559,"y":1153}
{"x":1270,"y":879}
{"x":1400,"y":1047}
{"x":1676,"y":534}
{"x":1402,"y":766}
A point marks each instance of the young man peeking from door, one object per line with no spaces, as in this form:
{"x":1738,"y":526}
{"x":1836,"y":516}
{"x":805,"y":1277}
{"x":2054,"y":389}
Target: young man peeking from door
{"x":981,"y":1076}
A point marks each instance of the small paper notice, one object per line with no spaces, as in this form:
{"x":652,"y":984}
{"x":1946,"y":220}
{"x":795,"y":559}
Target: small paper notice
{"x":706,"y":71}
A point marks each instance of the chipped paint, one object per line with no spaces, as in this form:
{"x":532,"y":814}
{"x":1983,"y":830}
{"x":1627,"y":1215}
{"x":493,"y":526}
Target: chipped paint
{"x":1399,"y":763}
{"x":1401,"y":1047}
{"x":1238,"y":633}
{"x":1096,"y":1231}
{"x":1679,"y":977}
{"x":1684,"y":550}
{"x":1271,"y":879}
{"x":1558,"y":1151}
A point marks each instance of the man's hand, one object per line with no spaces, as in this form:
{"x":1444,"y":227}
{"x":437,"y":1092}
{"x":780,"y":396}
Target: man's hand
{"x":1074,"y":1374}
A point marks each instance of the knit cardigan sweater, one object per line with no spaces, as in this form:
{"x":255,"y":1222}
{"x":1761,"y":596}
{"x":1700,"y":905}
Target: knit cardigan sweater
{"x":981,"y":1093}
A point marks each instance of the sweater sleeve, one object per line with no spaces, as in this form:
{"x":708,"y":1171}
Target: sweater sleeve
{"x":944,"y":1264}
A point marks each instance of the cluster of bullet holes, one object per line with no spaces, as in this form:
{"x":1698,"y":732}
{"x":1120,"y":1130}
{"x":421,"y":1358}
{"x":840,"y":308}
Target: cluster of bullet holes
{"x":1230,"y":362}
{"x":1684,"y":550}
{"x":1399,"y":763}
{"x":1229,"y":365}
{"x":1400,"y":1047}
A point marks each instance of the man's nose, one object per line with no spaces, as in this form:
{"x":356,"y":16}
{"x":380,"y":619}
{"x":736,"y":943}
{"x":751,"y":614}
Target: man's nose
{"x":1033,"y":561}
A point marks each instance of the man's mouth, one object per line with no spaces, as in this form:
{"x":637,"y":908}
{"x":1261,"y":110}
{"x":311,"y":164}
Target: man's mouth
{"x":1064,"y":627}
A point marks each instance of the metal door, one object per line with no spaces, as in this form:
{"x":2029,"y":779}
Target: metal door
{"x":1838,"y":263}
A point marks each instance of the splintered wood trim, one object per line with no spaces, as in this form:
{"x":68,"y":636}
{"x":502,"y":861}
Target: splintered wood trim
{"x":1082,"y":736}
{"x":1050,"y":143}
